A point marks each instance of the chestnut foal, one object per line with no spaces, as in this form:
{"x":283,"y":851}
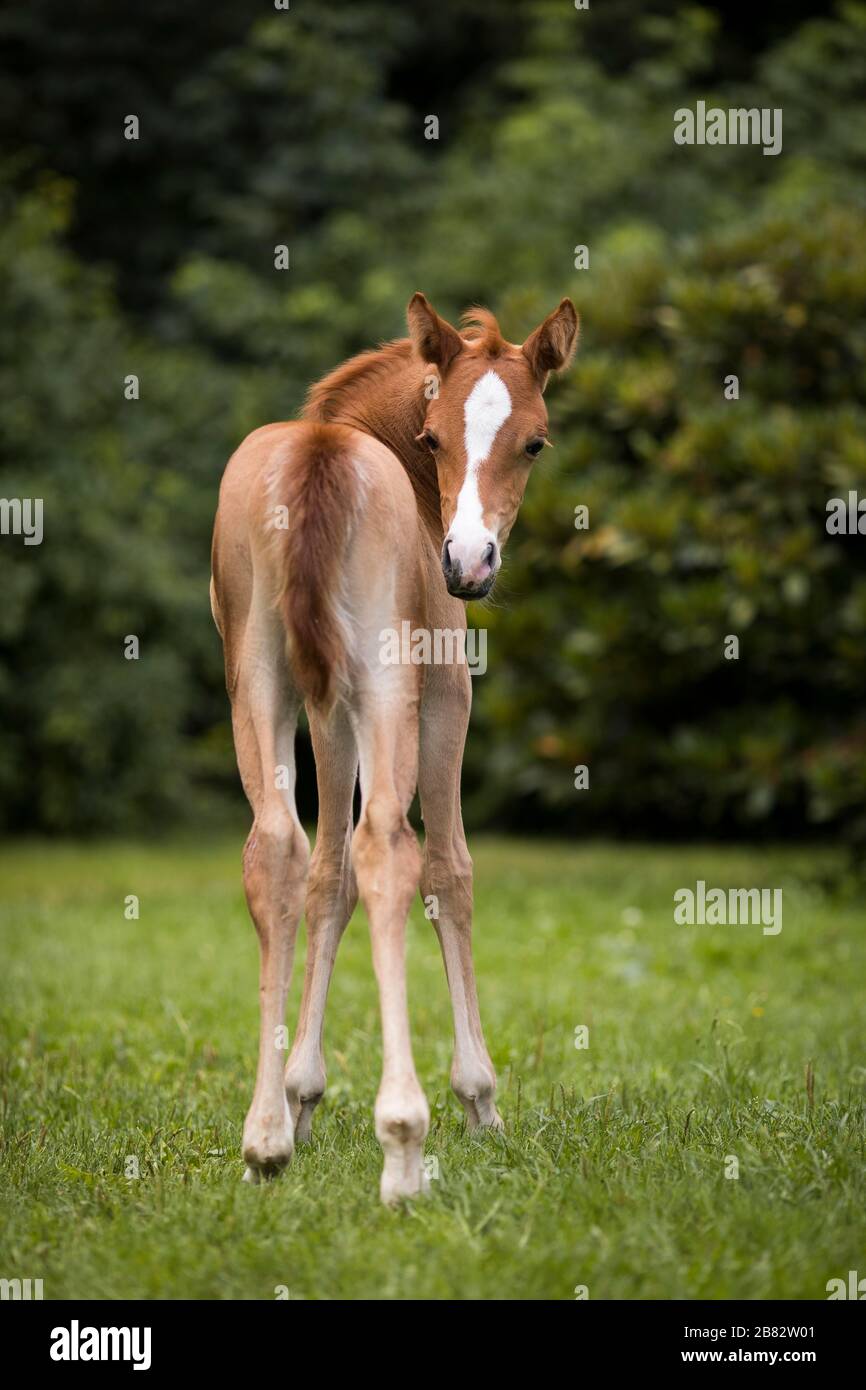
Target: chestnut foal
{"x":389,"y":500}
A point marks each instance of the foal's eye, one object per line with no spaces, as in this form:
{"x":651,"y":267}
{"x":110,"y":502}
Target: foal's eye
{"x":534,"y":447}
{"x":430,"y":440}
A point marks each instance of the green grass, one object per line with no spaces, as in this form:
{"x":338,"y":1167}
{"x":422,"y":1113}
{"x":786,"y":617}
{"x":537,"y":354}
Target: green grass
{"x":137,"y":1038}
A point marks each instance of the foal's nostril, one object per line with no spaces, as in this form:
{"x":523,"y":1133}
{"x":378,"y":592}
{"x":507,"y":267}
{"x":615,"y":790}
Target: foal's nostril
{"x":489,"y":552}
{"x":446,"y":555}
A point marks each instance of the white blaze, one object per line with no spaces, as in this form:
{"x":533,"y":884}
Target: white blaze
{"x":487,"y":407}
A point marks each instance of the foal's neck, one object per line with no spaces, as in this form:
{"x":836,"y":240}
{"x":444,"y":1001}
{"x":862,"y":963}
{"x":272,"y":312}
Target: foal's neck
{"x":382,"y":393}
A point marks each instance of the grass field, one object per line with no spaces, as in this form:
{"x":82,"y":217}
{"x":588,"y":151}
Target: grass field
{"x":136,"y":1039}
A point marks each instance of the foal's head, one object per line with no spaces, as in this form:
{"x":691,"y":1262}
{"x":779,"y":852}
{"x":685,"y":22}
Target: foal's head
{"x":485,"y":425}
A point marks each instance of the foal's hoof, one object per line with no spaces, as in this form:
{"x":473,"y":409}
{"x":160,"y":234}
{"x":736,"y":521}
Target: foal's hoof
{"x":482,"y":1114}
{"x":304,"y":1123}
{"x":305,"y":1085}
{"x":264,"y":1164}
{"x":302,"y":1114}
{"x":403,"y":1179}
{"x":402,"y":1122}
{"x":267,"y":1151}
{"x":492,"y":1120}
{"x":263,"y":1173}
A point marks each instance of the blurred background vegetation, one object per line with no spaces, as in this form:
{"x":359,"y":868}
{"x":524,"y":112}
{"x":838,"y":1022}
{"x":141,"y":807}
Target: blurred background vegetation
{"x":306,"y":127}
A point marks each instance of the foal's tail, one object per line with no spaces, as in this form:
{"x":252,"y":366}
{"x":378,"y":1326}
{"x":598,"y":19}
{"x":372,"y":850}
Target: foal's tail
{"x":319,"y":487}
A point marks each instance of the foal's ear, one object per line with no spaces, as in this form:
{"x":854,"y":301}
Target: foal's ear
{"x":551,"y":347}
{"x":434,"y":339}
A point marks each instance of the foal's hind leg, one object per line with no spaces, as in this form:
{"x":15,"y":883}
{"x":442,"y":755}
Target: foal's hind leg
{"x":264,"y":711}
{"x":331,"y":897}
{"x":447,"y":876}
{"x":387,"y":863}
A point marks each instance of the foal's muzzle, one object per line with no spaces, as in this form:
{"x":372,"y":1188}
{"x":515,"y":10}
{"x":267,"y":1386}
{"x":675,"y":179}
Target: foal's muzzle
{"x":475,"y":582}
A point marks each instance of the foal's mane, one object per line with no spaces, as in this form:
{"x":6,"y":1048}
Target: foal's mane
{"x":356,"y":393}
{"x":329,"y":397}
{"x":349,"y":395}
{"x":481,"y":328}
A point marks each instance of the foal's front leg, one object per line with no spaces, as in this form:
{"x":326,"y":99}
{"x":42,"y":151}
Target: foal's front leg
{"x":447,"y":879}
{"x":387,"y":864}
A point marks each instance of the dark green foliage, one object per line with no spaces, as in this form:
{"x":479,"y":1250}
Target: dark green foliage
{"x":708,"y":519}
{"x":707,"y":515}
